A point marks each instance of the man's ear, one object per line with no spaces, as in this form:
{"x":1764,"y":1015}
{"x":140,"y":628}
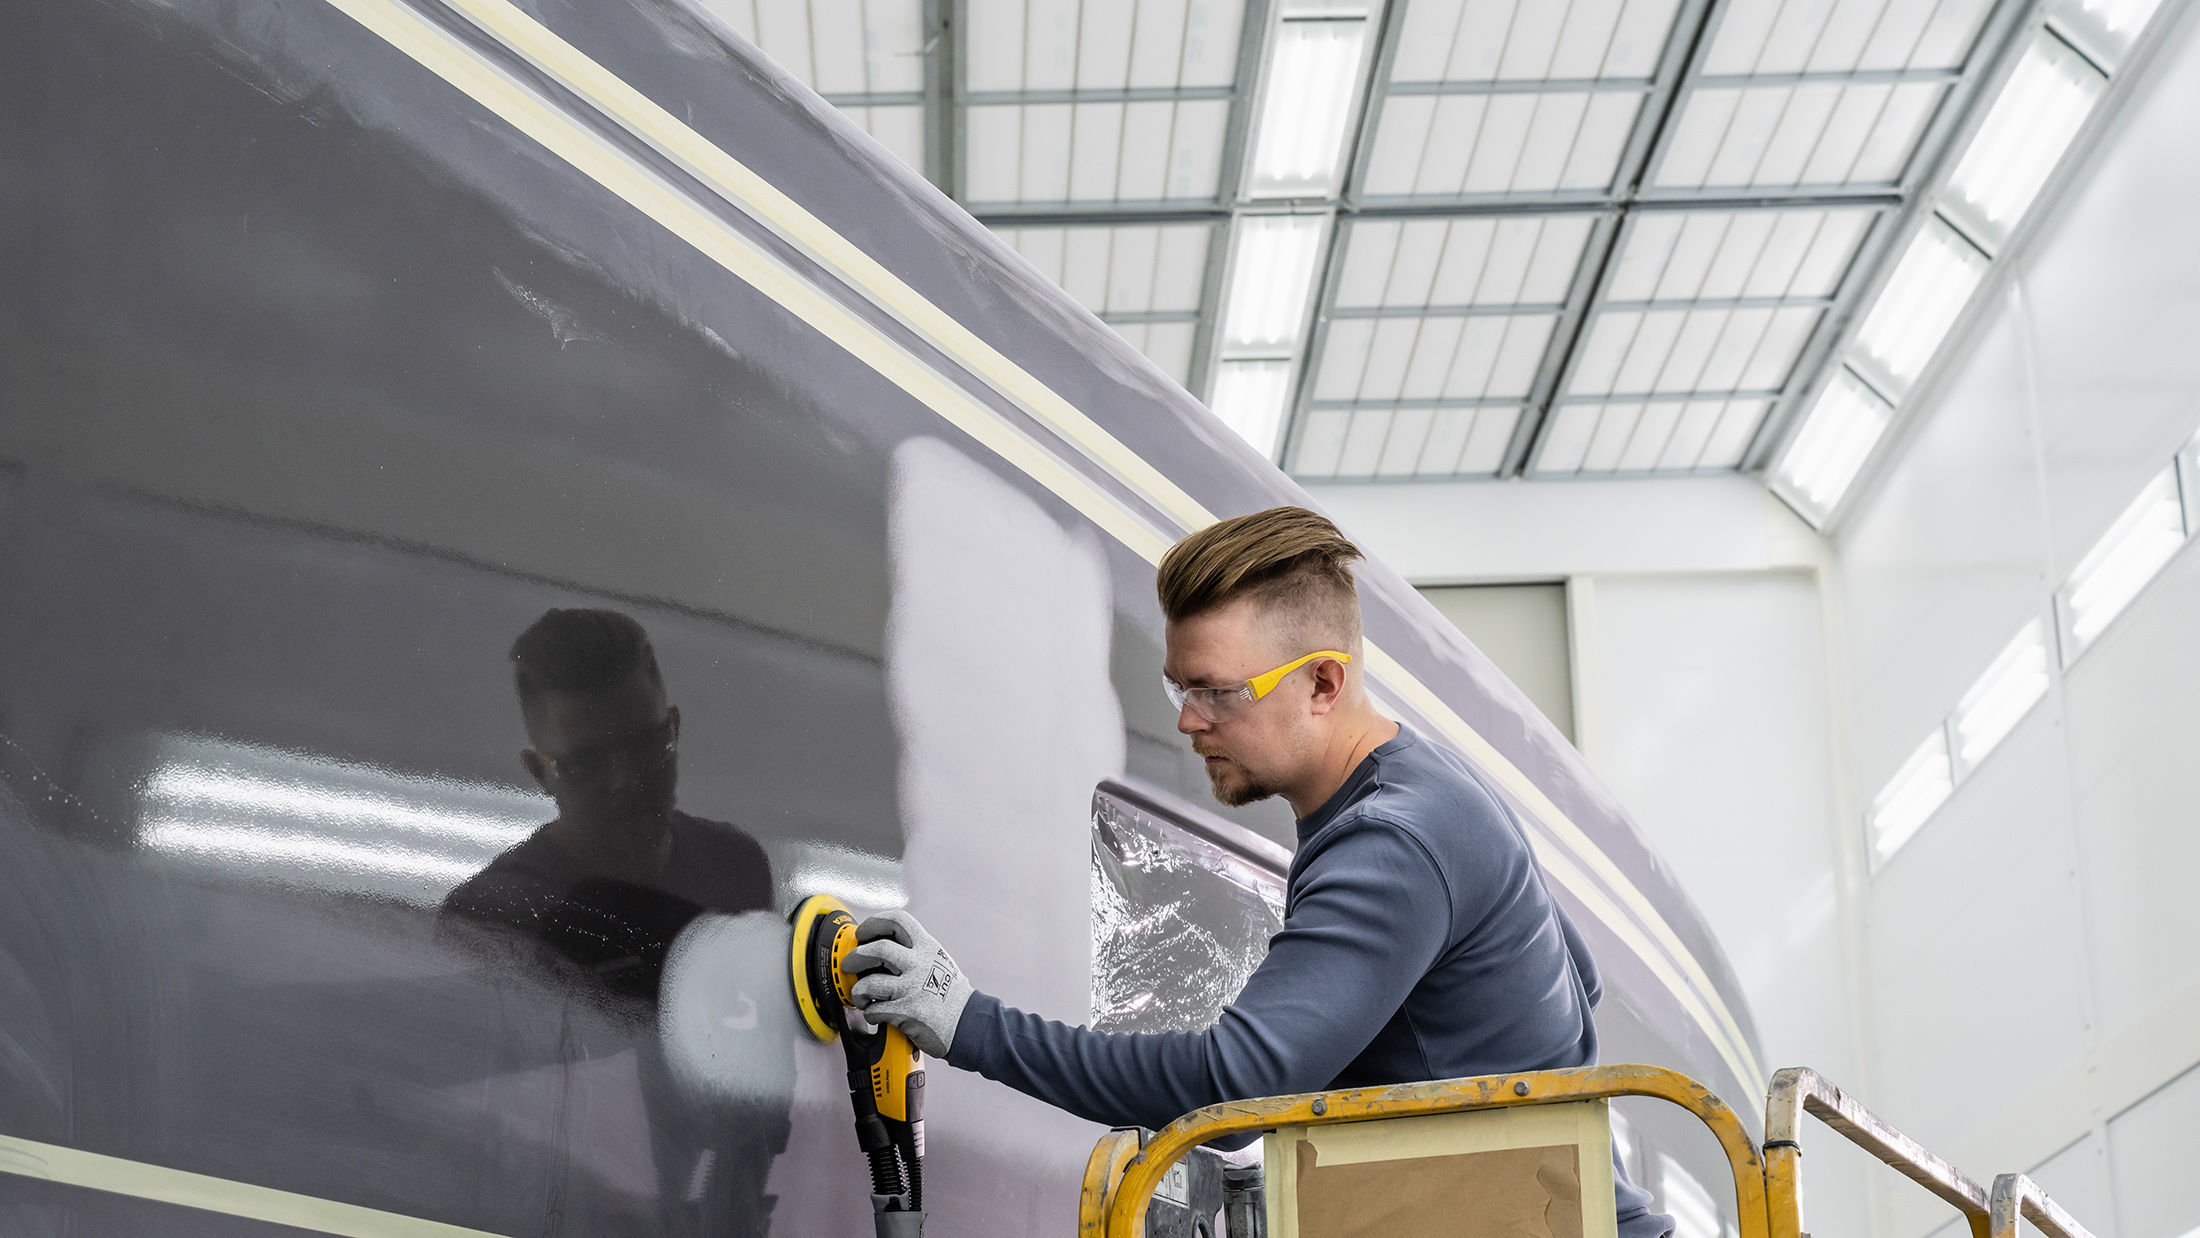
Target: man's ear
{"x":536,"y":769}
{"x":1329,"y":681}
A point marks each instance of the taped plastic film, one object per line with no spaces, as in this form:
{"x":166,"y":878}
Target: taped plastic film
{"x":1178,"y":922}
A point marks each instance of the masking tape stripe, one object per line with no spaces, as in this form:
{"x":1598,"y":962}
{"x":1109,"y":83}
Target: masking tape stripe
{"x":27,"y":1158}
{"x":612,"y":96}
{"x":743,"y":188}
{"x":587,"y":152}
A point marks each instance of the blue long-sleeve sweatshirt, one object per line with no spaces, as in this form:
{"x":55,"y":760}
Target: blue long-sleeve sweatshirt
{"x":1418,"y":942}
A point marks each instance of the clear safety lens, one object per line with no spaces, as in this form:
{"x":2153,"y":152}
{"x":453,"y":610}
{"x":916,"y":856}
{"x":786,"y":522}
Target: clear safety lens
{"x":1212,"y":704}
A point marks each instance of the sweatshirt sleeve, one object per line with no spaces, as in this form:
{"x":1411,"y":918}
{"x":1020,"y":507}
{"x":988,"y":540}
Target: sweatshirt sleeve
{"x":1369,"y":919}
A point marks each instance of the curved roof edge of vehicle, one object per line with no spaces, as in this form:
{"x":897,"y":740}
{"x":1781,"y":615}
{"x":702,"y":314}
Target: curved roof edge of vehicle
{"x":874,"y":257}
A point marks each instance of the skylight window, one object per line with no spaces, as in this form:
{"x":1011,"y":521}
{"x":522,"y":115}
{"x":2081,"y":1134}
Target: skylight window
{"x":1917,"y":789}
{"x":1840,"y":431}
{"x":1250,"y":398}
{"x":1307,"y":106}
{"x":2011,"y":685}
{"x":2033,"y":121}
{"x":1929,"y":288}
{"x":2120,"y":565}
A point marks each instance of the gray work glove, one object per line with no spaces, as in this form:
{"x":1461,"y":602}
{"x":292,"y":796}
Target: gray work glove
{"x":907,"y":980}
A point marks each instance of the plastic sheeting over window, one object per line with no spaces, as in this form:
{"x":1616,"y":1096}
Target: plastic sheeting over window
{"x":1179,"y":921}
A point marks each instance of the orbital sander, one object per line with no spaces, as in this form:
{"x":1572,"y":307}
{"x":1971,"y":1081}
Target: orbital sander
{"x":885,"y":1071}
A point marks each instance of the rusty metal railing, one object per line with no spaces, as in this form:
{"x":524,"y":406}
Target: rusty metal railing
{"x":1120,"y":1177}
{"x":2015,"y":1195}
{"x":1799,"y":1090}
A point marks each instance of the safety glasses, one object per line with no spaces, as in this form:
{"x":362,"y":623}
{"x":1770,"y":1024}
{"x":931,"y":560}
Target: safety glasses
{"x":1218,"y":705}
{"x":644,"y":752}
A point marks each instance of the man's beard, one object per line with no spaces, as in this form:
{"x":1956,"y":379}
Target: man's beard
{"x":1237,"y":793}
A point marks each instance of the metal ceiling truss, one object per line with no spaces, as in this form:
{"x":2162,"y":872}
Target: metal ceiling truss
{"x":1899,"y":208}
{"x":1993,"y":56}
{"x":1680,"y":73}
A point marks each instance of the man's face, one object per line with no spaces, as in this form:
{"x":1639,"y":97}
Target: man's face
{"x":610,"y":758}
{"x":1261,"y":749}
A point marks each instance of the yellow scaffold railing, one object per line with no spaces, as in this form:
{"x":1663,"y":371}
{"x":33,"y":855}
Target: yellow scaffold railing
{"x":1123,"y":1173}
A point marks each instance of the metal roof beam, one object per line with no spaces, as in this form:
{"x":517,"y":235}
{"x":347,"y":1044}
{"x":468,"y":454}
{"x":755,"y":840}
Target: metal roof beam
{"x":1682,"y":59}
{"x":1131,"y":94}
{"x":1254,"y":29}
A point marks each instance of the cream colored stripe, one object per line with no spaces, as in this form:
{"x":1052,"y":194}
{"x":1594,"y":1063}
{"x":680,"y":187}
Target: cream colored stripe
{"x":588,"y":153}
{"x":29,"y":1159}
{"x":751,"y":193}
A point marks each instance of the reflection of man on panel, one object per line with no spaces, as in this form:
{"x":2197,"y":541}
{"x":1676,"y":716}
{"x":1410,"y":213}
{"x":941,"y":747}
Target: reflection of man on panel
{"x":1419,"y":939}
{"x":602,"y":891}
{"x":613,"y":880}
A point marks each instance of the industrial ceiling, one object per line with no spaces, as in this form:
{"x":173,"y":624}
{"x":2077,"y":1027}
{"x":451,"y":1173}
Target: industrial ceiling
{"x":1439,"y":239}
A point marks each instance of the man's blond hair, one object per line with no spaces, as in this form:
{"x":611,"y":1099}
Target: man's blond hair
{"x":1290,"y":561}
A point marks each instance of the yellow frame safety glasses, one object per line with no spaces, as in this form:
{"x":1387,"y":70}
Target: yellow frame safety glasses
{"x":1218,"y":704}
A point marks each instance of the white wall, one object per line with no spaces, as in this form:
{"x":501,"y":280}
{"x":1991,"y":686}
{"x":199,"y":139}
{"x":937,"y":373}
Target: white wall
{"x":2034,"y":953}
{"x":1707,"y":699}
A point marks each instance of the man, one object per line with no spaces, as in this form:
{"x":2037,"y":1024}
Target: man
{"x":607,"y":886}
{"x":1419,"y":940}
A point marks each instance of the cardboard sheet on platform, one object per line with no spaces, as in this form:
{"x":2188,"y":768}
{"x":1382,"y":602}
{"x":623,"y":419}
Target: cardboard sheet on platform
{"x":1518,"y":1173}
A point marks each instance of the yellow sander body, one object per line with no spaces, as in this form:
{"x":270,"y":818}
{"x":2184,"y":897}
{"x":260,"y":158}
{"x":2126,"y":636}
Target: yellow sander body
{"x":885,"y":1071}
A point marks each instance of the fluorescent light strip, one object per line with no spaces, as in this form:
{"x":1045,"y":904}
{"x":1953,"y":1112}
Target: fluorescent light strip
{"x":1838,"y":435}
{"x":1921,"y":786}
{"x":2106,"y":28}
{"x":1271,"y":283}
{"x":1308,"y":105}
{"x":2143,"y":539}
{"x":2013,"y":683}
{"x":1250,"y":398}
{"x":1921,"y":300}
{"x":2031,"y":124}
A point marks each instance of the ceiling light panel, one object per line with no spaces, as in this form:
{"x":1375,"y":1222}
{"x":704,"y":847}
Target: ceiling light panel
{"x":1916,"y":791}
{"x":1250,"y":397}
{"x":1518,"y":260}
{"x":1681,"y":350}
{"x":1692,"y":255}
{"x":1271,"y":283}
{"x":2031,"y":123}
{"x":1445,"y":146}
{"x":1816,"y":134}
{"x":1916,"y":308}
{"x":1655,"y":436}
{"x":1843,"y":425}
{"x":1095,"y":152}
{"x":1307,"y":103}
{"x":837,"y":47}
{"x":1026,"y":45}
{"x":2013,"y":683}
{"x":2106,"y":29}
{"x":1404,"y":443}
{"x":1768,"y":36}
{"x":1440,"y":357}
{"x":1493,"y":40}
{"x":2119,"y":566}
